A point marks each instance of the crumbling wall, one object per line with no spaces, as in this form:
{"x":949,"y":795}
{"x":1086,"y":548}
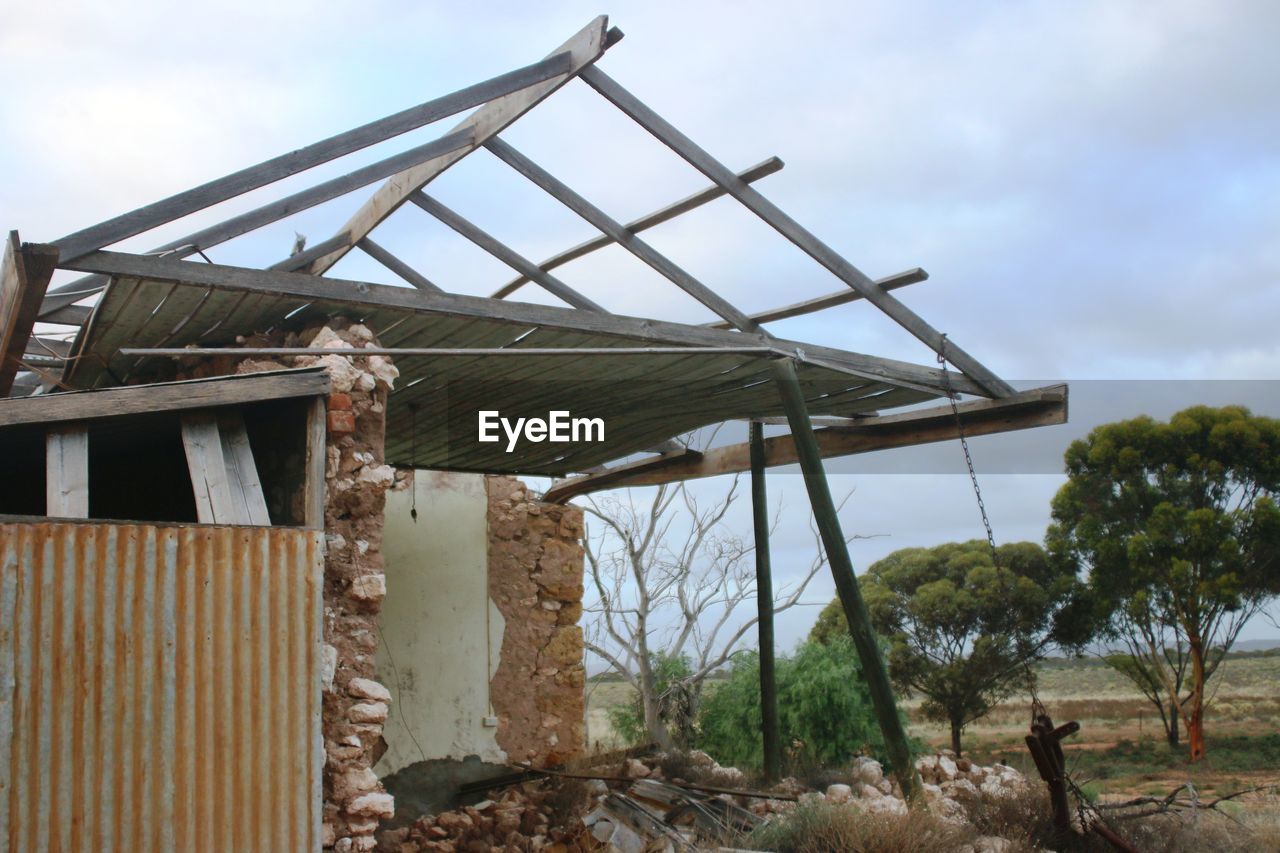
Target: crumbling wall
{"x":535,"y":579}
{"x":356,"y":480}
{"x":355,"y":706}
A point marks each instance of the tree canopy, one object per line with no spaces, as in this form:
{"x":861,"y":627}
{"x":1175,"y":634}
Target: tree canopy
{"x":1177,"y":526}
{"x":961,"y":626}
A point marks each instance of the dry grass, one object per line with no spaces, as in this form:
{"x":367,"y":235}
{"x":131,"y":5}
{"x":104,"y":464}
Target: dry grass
{"x":826,"y":828}
{"x":1022,"y":820}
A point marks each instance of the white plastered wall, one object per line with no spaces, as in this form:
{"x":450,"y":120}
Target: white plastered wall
{"x":441,"y":633}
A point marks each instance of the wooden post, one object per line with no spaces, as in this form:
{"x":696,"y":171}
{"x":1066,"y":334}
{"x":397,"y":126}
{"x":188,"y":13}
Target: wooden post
{"x":317,"y":423}
{"x":67,"y":472}
{"x":764,"y":606}
{"x":855,"y":610}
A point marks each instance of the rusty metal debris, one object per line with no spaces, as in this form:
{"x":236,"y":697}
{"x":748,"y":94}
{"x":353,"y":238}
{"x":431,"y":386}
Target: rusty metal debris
{"x":657,"y":815}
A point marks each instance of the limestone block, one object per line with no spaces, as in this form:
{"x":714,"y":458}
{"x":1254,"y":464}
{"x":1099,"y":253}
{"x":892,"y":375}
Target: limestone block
{"x":376,"y":804}
{"x":368,"y":712}
{"x":364,"y":688}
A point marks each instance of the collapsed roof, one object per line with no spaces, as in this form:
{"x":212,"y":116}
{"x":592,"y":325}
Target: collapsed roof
{"x":650,"y":380}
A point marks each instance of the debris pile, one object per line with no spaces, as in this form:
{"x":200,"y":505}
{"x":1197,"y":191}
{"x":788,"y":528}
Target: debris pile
{"x":647,"y":803}
{"x":517,"y":818}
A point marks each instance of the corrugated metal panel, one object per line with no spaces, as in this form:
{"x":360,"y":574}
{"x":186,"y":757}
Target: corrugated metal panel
{"x":159,"y":688}
{"x":643,"y":400}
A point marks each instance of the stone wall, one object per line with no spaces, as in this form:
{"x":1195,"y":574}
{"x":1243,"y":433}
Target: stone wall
{"x":535,"y":579}
{"x":355,"y":706}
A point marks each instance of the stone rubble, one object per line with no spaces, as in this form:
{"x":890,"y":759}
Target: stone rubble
{"x":526,"y":817}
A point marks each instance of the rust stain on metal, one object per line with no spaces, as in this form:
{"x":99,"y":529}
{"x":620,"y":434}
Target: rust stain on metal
{"x":159,"y":687}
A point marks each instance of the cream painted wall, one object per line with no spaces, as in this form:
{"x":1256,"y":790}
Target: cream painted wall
{"x":441,"y":633}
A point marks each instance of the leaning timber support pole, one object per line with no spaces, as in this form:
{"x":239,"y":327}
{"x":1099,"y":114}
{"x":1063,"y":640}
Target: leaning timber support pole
{"x":855,"y":610}
{"x":764,"y":605}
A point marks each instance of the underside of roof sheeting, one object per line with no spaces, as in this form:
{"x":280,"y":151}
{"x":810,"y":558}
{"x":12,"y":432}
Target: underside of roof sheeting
{"x":643,"y":399}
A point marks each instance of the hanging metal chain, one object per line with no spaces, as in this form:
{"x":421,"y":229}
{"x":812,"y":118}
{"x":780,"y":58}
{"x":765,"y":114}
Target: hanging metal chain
{"x":1037,"y":707}
{"x":952,"y":397}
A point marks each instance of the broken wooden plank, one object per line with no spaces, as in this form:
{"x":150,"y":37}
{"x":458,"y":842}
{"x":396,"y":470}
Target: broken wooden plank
{"x":584,"y":48}
{"x":270,"y":171}
{"x":840,"y":297}
{"x":67,"y":472}
{"x":801,"y":237}
{"x":208,"y":468}
{"x":242,"y":472}
{"x":1023,"y":410}
{"x":163,"y":397}
{"x":635,"y":226}
{"x":24,"y":274}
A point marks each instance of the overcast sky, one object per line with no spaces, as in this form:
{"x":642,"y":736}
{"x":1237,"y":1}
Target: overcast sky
{"x":1093,"y":187}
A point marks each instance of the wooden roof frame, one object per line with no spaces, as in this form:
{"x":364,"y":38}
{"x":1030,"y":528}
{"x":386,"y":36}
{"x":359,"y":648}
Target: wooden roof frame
{"x":497,"y":103}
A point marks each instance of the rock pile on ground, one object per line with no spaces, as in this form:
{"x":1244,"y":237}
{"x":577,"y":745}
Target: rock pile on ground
{"x":945,"y":778}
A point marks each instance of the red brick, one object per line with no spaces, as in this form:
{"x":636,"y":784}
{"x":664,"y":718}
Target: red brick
{"x":342,"y":423}
{"x":339,"y":402}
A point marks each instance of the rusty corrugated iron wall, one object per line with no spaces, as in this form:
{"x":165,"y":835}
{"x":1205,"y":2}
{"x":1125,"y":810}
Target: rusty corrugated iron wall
{"x":159,"y":688}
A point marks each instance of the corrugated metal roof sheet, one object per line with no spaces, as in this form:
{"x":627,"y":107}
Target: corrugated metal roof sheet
{"x":431,"y":418}
{"x":159,"y":687}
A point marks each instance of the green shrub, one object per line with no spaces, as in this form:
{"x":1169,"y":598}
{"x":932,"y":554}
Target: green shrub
{"x":825,"y":712}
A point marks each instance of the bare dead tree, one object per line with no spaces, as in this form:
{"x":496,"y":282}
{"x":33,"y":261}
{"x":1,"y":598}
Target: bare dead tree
{"x":666,"y":577}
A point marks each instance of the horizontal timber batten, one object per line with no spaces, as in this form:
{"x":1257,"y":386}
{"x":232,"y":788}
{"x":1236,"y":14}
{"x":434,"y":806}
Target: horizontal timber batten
{"x":164,"y":397}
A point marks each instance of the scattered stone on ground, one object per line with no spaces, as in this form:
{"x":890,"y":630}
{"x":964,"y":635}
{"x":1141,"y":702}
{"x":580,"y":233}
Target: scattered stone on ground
{"x":547,"y":814}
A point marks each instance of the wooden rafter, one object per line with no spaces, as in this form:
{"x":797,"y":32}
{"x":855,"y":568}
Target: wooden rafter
{"x":198,"y":198}
{"x":274,"y":211}
{"x":502,"y":252}
{"x":1021,"y":410}
{"x":397,"y":266}
{"x":620,"y":235}
{"x":644,"y":223}
{"x":584,"y":48}
{"x":751,"y":198}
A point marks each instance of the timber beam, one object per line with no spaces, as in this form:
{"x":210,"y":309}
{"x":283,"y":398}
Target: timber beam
{"x":1023,"y":410}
